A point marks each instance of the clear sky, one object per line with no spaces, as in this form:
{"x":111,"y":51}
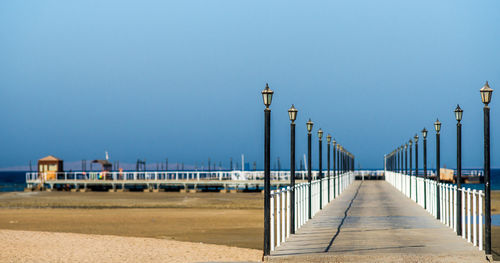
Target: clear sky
{"x":182,"y":79}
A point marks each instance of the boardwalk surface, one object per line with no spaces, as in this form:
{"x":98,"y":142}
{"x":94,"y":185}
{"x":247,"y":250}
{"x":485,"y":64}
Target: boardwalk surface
{"x":373,"y":222}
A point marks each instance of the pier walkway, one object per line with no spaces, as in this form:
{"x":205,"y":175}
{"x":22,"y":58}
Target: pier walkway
{"x":373,"y":222}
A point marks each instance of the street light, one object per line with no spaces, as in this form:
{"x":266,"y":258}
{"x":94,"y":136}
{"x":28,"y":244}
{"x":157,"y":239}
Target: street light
{"x":334,"y":145}
{"x":437,"y":127}
{"x":320,"y":164}
{"x":406,"y":158}
{"x":424,"y":135}
{"x":410,"y":143}
{"x":309,"y":126}
{"x":416,"y":167}
{"x":267,"y":96}
{"x":292,"y":114}
{"x":486,"y":93}
{"x":328,"y":140}
{"x":338,"y":168}
{"x":458,"y":116}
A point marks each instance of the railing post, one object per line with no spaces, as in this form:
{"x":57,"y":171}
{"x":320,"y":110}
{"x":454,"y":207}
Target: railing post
{"x":288,"y":212}
{"x":463,"y":211}
{"x":474,"y":219}
{"x":480,"y":212}
{"x":468,"y":216}
{"x":283,"y":215}
{"x":271,"y":206}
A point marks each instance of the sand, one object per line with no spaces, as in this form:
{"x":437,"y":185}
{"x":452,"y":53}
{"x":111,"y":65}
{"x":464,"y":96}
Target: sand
{"x":30,"y":246}
{"x":212,"y":218}
{"x":224,"y":219}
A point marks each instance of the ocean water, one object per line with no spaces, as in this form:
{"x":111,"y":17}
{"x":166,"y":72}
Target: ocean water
{"x":12,"y":181}
{"x":16,"y":181}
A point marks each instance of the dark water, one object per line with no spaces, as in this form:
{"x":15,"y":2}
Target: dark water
{"x":12,"y":181}
{"x":16,"y":181}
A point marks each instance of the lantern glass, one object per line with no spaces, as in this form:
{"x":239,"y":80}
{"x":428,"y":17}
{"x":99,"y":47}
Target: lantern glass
{"x":292,"y":113}
{"x":424,"y":133}
{"x":458,"y":113}
{"x":309,"y":125}
{"x":410,"y":143}
{"x":320,"y":133}
{"x":329,"y":138}
{"x":486,"y":93}
{"x":267,"y":96}
{"x":415,"y":138}
{"x":437,"y":125}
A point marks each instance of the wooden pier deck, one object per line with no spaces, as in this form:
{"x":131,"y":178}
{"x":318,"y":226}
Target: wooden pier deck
{"x":373,"y":222}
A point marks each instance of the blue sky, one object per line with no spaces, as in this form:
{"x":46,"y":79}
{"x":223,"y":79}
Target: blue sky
{"x":182,"y":79}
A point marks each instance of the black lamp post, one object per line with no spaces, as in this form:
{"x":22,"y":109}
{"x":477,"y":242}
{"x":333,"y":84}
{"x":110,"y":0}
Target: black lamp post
{"x":338,"y":167}
{"x":401,"y":159}
{"x":424,"y":135}
{"x":267,"y":96}
{"x":458,"y":116}
{"x":309,"y":125}
{"x":292,"y":114}
{"x":398,"y":159}
{"x":416,"y":167}
{"x":334,"y":144}
{"x":437,"y":127}
{"x":320,"y":164}
{"x":328,"y":140}
{"x":411,"y":152}
{"x":405,"y":152}
{"x":406,"y":158}
{"x":486,"y":93}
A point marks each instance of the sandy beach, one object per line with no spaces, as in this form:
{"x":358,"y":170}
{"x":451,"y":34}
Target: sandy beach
{"x":224,"y":219}
{"x":31,"y":246}
{"x":195,"y":219}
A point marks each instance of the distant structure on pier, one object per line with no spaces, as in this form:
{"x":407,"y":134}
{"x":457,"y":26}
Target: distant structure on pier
{"x":51,"y":166}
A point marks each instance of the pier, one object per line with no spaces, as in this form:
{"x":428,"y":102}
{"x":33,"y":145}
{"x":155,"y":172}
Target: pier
{"x":394,"y":219}
{"x":158,"y":181}
{"x":372,"y":221}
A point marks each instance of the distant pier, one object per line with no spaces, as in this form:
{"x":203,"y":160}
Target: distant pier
{"x":158,"y":181}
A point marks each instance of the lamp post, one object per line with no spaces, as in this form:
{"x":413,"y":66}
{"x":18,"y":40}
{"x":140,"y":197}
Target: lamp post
{"x":292,"y":114}
{"x":334,"y":144}
{"x":410,"y":170}
{"x":424,"y":135}
{"x":458,"y":117}
{"x":309,"y":126}
{"x":320,"y":170}
{"x":267,"y":96}
{"x":338,"y":168}
{"x":406,"y":158}
{"x":416,"y":167}
{"x":406,"y":162}
{"x":401,"y":159}
{"x":328,"y":140}
{"x":398,"y":160}
{"x":486,"y":93}
{"x":437,"y":127}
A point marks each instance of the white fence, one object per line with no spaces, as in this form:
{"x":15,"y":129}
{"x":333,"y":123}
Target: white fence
{"x":34,"y":177}
{"x":281,"y":206}
{"x":472,"y":203}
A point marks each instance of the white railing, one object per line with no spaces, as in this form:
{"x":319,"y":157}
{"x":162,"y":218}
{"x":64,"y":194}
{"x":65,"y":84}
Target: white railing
{"x":281,"y":206}
{"x":471,"y":209}
{"x":35,"y":177}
